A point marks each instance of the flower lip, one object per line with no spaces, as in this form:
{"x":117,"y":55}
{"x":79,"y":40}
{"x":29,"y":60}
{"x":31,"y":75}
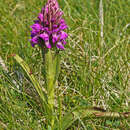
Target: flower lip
{"x":44,"y":36}
{"x":60,"y":46}
{"x":48,"y":45}
{"x":63,"y":35}
{"x":34,"y":39}
{"x":55,"y":37}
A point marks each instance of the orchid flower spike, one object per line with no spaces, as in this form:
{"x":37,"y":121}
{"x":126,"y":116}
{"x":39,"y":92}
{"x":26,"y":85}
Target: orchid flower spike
{"x":48,"y":29}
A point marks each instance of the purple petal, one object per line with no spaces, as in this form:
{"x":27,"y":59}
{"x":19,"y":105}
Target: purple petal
{"x":47,"y":43}
{"x":49,"y":32}
{"x":54,"y":37}
{"x":44,"y":36}
{"x":46,"y":29}
{"x":63,"y":26}
{"x":53,"y":20}
{"x":60,"y":46}
{"x":56,"y":30}
{"x":40,"y":17}
{"x":63,"y":35}
{"x":33,"y":33}
{"x":62,"y":21}
{"x":34,"y":39}
{"x":36,"y":27}
{"x":55,"y":26}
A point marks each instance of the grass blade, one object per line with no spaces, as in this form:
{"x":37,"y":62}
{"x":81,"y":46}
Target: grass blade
{"x":80,"y":113}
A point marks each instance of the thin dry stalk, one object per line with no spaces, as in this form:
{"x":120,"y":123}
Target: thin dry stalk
{"x":101,"y":22}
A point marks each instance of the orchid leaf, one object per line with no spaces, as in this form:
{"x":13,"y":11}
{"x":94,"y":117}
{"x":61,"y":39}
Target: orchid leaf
{"x":39,"y":89}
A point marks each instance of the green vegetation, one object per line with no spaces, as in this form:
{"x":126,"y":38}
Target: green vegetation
{"x":94,"y":67}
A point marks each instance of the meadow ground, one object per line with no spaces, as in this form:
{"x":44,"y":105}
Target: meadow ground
{"x":95,"y":63}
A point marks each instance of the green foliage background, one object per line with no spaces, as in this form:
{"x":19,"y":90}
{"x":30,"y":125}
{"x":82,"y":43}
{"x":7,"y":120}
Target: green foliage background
{"x":92,"y":74}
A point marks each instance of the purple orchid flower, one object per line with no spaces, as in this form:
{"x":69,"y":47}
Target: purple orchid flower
{"x":48,"y":29}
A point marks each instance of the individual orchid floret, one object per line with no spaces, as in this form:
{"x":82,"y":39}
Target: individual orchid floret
{"x":49,"y":28}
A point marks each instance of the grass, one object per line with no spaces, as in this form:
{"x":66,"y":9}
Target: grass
{"x":94,"y":68}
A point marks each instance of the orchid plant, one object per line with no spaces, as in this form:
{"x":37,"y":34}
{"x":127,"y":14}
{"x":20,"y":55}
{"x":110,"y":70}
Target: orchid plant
{"x":48,"y":33}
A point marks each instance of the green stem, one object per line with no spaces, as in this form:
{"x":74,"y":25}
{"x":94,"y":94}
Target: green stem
{"x":50,"y":90}
{"x":52,"y":71}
